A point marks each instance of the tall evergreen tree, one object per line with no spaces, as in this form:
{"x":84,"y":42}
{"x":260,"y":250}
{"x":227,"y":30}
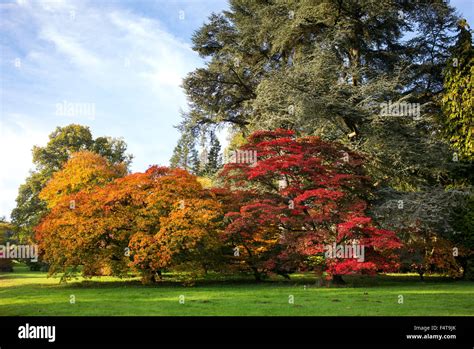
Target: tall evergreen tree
{"x":185,"y":155}
{"x":327,"y":67}
{"x":368,"y":74}
{"x":458,"y":121}
{"x":214,"y":158}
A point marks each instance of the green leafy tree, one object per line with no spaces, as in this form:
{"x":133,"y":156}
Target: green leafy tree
{"x":458,"y":122}
{"x":465,"y":237}
{"x":6,"y":230}
{"x":458,"y":98}
{"x":327,"y":68}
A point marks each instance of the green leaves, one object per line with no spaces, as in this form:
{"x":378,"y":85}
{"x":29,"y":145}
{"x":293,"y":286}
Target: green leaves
{"x":458,"y":97}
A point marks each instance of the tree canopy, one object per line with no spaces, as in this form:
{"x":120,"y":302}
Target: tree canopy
{"x":63,"y":142}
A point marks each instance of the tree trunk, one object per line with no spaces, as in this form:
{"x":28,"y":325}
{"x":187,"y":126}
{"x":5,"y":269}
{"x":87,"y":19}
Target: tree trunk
{"x":463,"y":263}
{"x":285,"y":275}
{"x":257,"y":274}
{"x":338,"y":280}
{"x":421,"y":276}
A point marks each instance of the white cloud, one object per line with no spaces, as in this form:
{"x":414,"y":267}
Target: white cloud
{"x":72,"y":49}
{"x":16,"y":156}
{"x":127,"y":65}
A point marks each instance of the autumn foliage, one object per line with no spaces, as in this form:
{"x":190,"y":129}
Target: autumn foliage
{"x":273,"y":216}
{"x":426,"y":252}
{"x":305,"y":194}
{"x":149,"y":221}
{"x":84,"y":171}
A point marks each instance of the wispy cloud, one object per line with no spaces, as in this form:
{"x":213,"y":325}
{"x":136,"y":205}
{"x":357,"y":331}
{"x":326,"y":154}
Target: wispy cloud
{"x":128,"y":65}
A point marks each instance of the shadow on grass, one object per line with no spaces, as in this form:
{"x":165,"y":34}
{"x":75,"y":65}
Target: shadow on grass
{"x":165,"y":283}
{"x":380,"y":281}
{"x":218,"y":280}
{"x":206,"y":304}
{"x":22,"y":275}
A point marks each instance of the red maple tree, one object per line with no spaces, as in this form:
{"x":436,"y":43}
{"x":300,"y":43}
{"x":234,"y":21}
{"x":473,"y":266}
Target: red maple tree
{"x":301,"y":196}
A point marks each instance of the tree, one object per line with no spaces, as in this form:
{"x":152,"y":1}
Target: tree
{"x":344,"y":71}
{"x":465,"y":238}
{"x":5,"y":231}
{"x":154,"y":220}
{"x":72,"y":138}
{"x":29,"y":207}
{"x":179,"y":228}
{"x":188,"y":235}
{"x":327,"y":68}
{"x":213,"y":159}
{"x":308,"y":194}
{"x":431,"y":224}
{"x":84,"y":171}
{"x":426,"y":252}
{"x":457,"y":99}
{"x":63,"y":142}
{"x":185,"y":155}
{"x":82,"y":235}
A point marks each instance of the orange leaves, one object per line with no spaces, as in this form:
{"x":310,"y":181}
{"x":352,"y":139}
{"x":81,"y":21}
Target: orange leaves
{"x":185,"y":227}
{"x":160,"y":217}
{"x":146,"y":253}
{"x":84,"y":171}
{"x":164,"y":218}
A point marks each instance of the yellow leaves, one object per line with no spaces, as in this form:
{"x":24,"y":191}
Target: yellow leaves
{"x":205,"y":182}
{"x":84,"y":171}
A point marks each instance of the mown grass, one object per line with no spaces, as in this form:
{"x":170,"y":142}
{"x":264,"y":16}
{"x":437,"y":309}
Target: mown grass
{"x":27,"y":293}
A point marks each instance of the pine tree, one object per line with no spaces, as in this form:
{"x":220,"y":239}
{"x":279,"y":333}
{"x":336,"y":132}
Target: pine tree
{"x":214,"y":158}
{"x":185,"y":155}
{"x":335,"y":69}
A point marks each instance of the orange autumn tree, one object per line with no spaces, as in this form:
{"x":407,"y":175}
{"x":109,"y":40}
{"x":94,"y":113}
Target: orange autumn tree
{"x":82,"y":174}
{"x":178,"y":227}
{"x":69,"y":196}
{"x":155,"y":220}
{"x":84,"y":171}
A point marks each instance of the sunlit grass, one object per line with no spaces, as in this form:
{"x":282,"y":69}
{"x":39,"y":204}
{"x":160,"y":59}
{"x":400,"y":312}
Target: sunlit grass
{"x":32,"y":293}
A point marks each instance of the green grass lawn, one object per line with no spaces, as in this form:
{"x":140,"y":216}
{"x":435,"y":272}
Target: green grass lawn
{"x":32,"y":293}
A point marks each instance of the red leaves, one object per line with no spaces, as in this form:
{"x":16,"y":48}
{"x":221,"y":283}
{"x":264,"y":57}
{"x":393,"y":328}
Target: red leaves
{"x":319,"y":204}
{"x":278,"y":214}
{"x":320,"y":195}
{"x":351,"y":266}
{"x":346,"y":228}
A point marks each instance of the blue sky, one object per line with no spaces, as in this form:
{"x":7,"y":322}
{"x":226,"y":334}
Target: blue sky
{"x":124,"y":58}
